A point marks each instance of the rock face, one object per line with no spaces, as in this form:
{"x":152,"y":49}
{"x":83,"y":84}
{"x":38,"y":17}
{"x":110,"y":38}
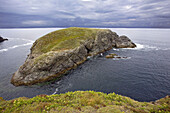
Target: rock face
{"x":1,"y":39}
{"x":55,"y":53}
{"x":124,"y":42}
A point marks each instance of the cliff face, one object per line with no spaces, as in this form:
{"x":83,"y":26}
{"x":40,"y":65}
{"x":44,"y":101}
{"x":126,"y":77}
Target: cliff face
{"x":59,"y":51}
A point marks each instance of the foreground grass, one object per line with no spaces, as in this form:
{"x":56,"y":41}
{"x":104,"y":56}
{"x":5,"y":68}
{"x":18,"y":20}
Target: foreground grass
{"x":83,"y":101}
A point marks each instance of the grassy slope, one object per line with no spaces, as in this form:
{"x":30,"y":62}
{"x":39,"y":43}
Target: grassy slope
{"x":82,"y":101}
{"x":63,"y":39}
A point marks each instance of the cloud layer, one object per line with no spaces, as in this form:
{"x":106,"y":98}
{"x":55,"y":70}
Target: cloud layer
{"x":104,"y":13}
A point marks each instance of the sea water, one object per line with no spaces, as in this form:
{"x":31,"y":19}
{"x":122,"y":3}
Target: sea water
{"x":144,"y":75}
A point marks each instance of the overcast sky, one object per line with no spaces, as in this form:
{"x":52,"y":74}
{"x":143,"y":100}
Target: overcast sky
{"x":109,"y":13}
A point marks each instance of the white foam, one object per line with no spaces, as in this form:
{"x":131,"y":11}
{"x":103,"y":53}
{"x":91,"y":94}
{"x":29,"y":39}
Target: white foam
{"x":16,"y":46}
{"x":115,"y":49}
{"x":126,"y":58}
{"x":139,"y":46}
{"x":88,"y":57}
{"x":116,"y":58}
{"x":19,"y":39}
{"x":56,"y":90}
{"x":143,"y":47}
{"x":2,"y":50}
{"x":151,"y":47}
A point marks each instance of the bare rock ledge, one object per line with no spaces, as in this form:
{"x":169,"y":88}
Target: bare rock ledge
{"x":60,"y":51}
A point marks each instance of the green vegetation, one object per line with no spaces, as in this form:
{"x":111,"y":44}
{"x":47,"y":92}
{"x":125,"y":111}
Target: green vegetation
{"x":83,"y":101}
{"x":63,"y":39}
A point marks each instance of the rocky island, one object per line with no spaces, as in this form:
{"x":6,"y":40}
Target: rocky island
{"x":60,"y":51}
{"x":2,"y":39}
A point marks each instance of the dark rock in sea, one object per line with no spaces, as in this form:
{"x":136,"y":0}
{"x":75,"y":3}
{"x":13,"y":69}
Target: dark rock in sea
{"x":118,"y":57}
{"x":111,"y":55}
{"x":60,"y":51}
{"x":124,"y":57}
{"x":2,"y":39}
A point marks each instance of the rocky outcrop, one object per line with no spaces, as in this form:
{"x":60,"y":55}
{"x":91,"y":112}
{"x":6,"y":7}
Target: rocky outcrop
{"x":46,"y":62}
{"x":2,"y":39}
{"x":124,"y":42}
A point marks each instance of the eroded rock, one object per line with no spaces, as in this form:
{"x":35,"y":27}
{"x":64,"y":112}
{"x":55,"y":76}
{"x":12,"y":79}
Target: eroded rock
{"x":124,"y":42}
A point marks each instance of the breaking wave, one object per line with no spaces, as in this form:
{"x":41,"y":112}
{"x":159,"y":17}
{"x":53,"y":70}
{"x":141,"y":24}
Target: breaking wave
{"x":141,"y":47}
{"x":29,"y":42}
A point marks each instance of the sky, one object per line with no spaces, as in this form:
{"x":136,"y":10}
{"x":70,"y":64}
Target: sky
{"x":88,"y":13}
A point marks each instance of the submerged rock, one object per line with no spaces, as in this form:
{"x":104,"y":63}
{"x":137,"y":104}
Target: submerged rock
{"x":60,"y":51}
{"x":2,"y":39}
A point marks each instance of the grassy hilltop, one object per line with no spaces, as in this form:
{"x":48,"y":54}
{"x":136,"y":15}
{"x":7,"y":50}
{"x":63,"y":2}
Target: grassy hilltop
{"x":83,"y":101}
{"x":64,"y":39}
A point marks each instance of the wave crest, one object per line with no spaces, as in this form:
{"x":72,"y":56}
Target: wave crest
{"x":141,"y":47}
{"x":16,"y":46}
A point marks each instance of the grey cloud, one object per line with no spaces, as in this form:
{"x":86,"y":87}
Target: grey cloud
{"x":119,"y":13}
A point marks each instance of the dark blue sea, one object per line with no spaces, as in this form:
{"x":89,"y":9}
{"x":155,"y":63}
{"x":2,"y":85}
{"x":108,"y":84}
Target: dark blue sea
{"x":144,"y":75}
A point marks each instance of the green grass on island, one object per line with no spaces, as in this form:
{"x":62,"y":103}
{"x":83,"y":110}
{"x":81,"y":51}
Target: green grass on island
{"x":83,"y":101}
{"x":64,"y":39}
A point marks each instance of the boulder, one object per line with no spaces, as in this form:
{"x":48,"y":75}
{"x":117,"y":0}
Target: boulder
{"x":60,"y":51}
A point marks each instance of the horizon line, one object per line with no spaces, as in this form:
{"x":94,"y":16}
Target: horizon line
{"x":82,"y":26}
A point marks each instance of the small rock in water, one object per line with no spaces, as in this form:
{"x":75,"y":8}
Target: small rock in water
{"x":111,"y":55}
{"x":124,"y":57}
{"x":118,"y":57}
{"x":2,"y":39}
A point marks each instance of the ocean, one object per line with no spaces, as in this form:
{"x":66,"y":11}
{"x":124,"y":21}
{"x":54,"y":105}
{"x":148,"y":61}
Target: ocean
{"x":144,"y":75}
